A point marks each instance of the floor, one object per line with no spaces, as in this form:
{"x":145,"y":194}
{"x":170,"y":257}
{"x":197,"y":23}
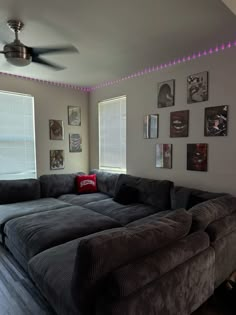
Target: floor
{"x":18,"y":295}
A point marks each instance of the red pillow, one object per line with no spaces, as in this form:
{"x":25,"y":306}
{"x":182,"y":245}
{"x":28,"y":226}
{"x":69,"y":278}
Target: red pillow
{"x":86,"y":183}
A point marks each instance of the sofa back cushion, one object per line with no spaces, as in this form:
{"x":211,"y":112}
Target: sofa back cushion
{"x":106,"y":182}
{"x":156,"y":193}
{"x":98,"y":255}
{"x":19,"y":190}
{"x":55,"y":185}
{"x":212,"y":210}
{"x":187,"y":198}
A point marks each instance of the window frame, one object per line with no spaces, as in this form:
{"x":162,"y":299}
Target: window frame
{"x":34,"y":175}
{"x":112,"y":169}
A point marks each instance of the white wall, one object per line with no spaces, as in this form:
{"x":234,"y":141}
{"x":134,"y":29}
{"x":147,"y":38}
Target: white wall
{"x":142,"y":99}
{"x":51,"y":103}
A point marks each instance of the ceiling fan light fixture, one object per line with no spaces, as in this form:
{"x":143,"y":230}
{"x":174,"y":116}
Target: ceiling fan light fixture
{"x":17,"y":54}
{"x":20,"y":55}
{"x":19,"y":61}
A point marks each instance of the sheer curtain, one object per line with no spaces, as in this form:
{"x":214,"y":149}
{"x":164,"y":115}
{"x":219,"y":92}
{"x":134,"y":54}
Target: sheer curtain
{"x":17,"y":136}
{"x":112,"y":134}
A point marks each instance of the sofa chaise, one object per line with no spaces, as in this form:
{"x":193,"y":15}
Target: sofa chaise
{"x":163,"y":253}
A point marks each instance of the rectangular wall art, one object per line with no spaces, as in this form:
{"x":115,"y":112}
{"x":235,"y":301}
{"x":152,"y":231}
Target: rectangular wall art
{"x":216,"y":121}
{"x":151,"y":126}
{"x":197,"y":87}
{"x":74,"y":116}
{"x":179,"y":122}
{"x":56,"y":130}
{"x":164,"y":155}
{"x":197,"y":157}
{"x":166,"y":94}
{"x":57,"y":159}
{"x":75,"y":142}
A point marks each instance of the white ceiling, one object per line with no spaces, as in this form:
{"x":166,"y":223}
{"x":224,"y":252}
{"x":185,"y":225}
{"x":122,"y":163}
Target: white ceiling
{"x":114,"y":37}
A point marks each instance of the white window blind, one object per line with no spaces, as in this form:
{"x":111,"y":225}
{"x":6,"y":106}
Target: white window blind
{"x":17,"y":136}
{"x":112,"y":135}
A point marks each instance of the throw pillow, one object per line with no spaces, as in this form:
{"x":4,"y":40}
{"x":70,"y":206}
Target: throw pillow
{"x":126,"y":194}
{"x":86,"y":183}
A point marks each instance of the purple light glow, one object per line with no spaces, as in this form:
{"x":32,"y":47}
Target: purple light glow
{"x":148,"y":70}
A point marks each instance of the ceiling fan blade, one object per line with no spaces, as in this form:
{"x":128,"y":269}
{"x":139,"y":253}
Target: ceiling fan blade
{"x":47,"y":63}
{"x":36,"y":51}
{"x":2,"y":52}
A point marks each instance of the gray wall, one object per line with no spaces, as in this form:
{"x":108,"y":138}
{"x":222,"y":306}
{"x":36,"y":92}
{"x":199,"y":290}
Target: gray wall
{"x":142,"y":99}
{"x":51,"y":103}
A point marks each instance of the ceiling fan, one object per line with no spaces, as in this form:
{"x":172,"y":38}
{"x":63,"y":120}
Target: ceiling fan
{"x":18,"y":54}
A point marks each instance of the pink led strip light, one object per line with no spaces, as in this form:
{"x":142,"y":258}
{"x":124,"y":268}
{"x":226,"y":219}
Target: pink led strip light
{"x":134,"y":75}
{"x":168,"y":64}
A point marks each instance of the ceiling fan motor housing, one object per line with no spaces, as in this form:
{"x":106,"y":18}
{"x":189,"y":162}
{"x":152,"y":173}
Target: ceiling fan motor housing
{"x":17,"y":54}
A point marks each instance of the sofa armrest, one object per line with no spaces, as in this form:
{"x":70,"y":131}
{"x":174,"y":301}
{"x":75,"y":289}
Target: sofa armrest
{"x":98,"y":255}
{"x":212,"y":210}
{"x":134,"y":276}
{"x":222,"y":227}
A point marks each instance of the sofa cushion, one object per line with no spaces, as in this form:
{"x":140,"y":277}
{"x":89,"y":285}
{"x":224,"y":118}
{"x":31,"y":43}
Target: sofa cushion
{"x":124,"y":214}
{"x":19,"y":190}
{"x":135,"y":275}
{"x":106,"y":182}
{"x":212,"y":210}
{"x":52,"y":272}
{"x":86,"y":183}
{"x":186,"y":198}
{"x":150,"y":218}
{"x":55,"y":185}
{"x":126,"y":195}
{"x":156,"y":193}
{"x":80,"y":200}
{"x":37,"y":232}
{"x":222,"y":227}
{"x":14,"y":210}
{"x":122,"y":246}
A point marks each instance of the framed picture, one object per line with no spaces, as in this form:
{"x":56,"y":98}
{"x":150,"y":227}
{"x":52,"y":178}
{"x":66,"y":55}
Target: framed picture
{"x":216,"y":121}
{"x":166,"y":94}
{"x":197,"y":87}
{"x":179,"y":122}
{"x":75,"y":142}
{"x":146,"y":127}
{"x":74,"y":116}
{"x":197,"y":157}
{"x":164,"y":155}
{"x":57,"y":159}
{"x":56,"y":129}
{"x":151,"y":126}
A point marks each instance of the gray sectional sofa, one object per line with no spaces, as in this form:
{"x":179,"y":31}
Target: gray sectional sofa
{"x":163,"y":253}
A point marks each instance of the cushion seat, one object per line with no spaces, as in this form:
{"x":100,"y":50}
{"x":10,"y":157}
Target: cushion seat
{"x":52,"y":271}
{"x":37,"y":232}
{"x":13,"y":210}
{"x":124,"y":214}
{"x":81,"y":200}
{"x":68,"y":275}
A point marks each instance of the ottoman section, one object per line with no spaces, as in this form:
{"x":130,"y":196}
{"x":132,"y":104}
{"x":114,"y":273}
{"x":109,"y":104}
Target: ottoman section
{"x":34,"y":233}
{"x":14,"y":210}
{"x":52,"y":272}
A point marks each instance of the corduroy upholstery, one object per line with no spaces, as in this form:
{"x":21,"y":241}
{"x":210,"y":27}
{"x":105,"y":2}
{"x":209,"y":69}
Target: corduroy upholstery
{"x":153,"y":264}
{"x":212,"y":210}
{"x":12,"y":191}
{"x":58,"y":184}
{"x":151,"y":192}
{"x":128,"y":244}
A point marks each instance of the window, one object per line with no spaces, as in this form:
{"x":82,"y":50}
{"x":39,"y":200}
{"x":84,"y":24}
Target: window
{"x":112,"y":135}
{"x":17,"y":136}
